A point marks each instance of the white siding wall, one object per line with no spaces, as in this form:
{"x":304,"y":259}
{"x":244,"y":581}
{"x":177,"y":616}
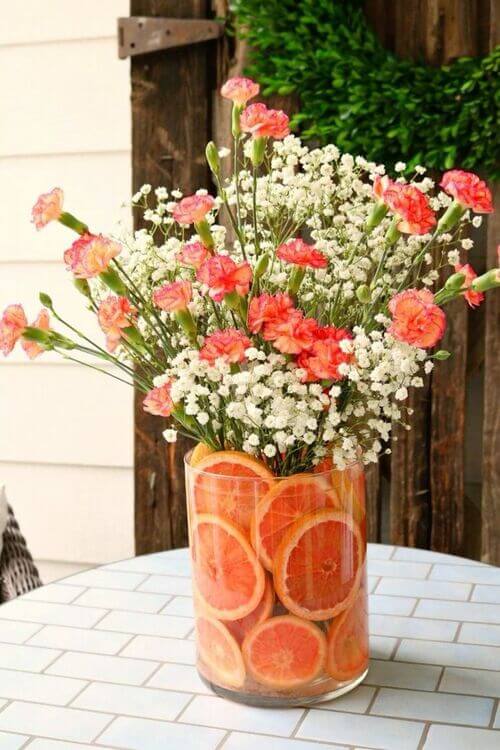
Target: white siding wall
{"x":65,"y":433}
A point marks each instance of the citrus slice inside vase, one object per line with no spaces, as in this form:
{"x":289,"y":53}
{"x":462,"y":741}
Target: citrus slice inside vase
{"x":318,"y":565}
{"x":348,"y":650}
{"x":230,"y":484}
{"x":220,"y":652}
{"x":227,"y":576}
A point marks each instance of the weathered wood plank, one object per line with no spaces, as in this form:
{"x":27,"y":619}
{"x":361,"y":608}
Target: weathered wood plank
{"x":170,"y":127}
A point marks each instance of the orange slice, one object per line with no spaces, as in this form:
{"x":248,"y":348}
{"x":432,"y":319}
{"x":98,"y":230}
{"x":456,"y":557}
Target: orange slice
{"x":227,"y":577}
{"x":318,"y":564}
{"x":348,"y":488}
{"x":286,"y":501}
{"x":348,"y":641}
{"x":264,"y":610}
{"x":284,"y":652}
{"x":200,"y":451}
{"x":230,"y":484}
{"x":220,"y":652}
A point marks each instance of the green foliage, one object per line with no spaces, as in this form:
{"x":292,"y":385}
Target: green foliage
{"x":357,"y":94}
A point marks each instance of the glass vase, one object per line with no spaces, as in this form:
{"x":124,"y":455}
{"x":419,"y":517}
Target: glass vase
{"x":279,"y":582}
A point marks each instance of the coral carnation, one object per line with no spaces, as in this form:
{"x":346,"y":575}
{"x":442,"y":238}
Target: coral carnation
{"x":174,"y":296}
{"x":300,"y":253}
{"x":262,"y":122}
{"x":473,"y":298}
{"x":322,"y":360}
{"x":268,"y":308}
{"x":192,"y":254}
{"x":193,"y":208}
{"x":240,"y":90}
{"x":115,"y":314}
{"x":292,"y":333}
{"x":47,"y":208}
{"x":12,"y":324}
{"x":380,"y":185}
{"x":32,"y":348}
{"x":90,"y":255}
{"x":229,"y":345}
{"x":416,"y":320}
{"x":159,"y":401}
{"x":223,"y":276}
{"x":468,"y":190}
{"x":411,"y":206}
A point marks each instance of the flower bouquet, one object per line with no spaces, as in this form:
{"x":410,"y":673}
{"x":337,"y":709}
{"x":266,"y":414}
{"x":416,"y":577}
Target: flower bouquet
{"x":279,"y":323}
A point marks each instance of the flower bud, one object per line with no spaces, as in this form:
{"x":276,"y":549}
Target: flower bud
{"x":488,"y":280}
{"x":46,"y":300}
{"x":113,"y":281}
{"x":82,"y":285}
{"x":212,"y":156}
{"x":363,"y":294}
{"x":455,"y":281}
{"x":261,"y":266}
{"x":378,"y":212}
{"x":441,"y":355}
{"x":258,"y":150}
{"x":451,"y":216}
{"x":235,"y":120}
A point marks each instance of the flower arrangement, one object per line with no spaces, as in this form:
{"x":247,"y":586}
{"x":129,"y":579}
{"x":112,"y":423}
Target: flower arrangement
{"x":287,"y":315}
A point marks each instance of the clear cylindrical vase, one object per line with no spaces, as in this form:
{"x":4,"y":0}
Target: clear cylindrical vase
{"x":279,"y":580}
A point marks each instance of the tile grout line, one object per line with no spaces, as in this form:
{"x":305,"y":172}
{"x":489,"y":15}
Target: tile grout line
{"x":494,"y":710}
{"x":184,"y":708}
{"x":299,"y":722}
{"x":372,"y":701}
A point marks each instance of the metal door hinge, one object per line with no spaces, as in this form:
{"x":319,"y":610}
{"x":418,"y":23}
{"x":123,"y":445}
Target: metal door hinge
{"x":139,"y":35}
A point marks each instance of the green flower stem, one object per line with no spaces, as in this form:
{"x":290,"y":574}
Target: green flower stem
{"x":203,"y":230}
{"x":379,"y":211}
{"x":254,"y":212}
{"x":98,"y":369}
{"x":70,"y":221}
{"x":235,"y":120}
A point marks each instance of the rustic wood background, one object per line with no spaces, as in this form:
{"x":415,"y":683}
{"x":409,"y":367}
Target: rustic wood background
{"x":424,"y":495}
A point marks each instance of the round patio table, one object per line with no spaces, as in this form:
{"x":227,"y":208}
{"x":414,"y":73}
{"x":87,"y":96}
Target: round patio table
{"x":106,"y":657}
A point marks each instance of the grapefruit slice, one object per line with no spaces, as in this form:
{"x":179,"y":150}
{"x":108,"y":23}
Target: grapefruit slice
{"x":348,"y":488}
{"x":220,"y":652}
{"x":200,"y":451}
{"x":230,"y":484}
{"x":348,"y":650}
{"x":284,"y":652}
{"x":286,"y":501}
{"x":318,"y":564}
{"x":227,"y":577}
{"x":264,"y":610}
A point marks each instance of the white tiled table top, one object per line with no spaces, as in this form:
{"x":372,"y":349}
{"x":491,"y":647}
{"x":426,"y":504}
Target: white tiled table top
{"x":106,"y":659}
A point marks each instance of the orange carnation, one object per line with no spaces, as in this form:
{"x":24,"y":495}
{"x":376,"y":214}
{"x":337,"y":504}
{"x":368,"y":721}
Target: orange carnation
{"x":411,"y":206}
{"x":192,"y":254}
{"x":47,"y":208}
{"x":262,"y":122}
{"x":229,"y":345}
{"x":267,"y":308}
{"x":416,"y":320}
{"x":193,"y":208}
{"x":223,"y":276}
{"x":115,"y":314}
{"x":12,"y":324}
{"x":42,"y":322}
{"x":174,"y":296}
{"x":90,"y":255}
{"x":240,"y":90}
{"x":159,"y":401}
{"x":468,"y":190}
{"x":300,"y":253}
{"x":473,"y":298}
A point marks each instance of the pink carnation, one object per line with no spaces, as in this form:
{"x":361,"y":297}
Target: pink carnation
{"x":468,"y":190}
{"x":240,"y":90}
{"x":380,"y":184}
{"x":174,"y":296}
{"x":12,"y":324}
{"x":223,"y":276}
{"x":32,"y":348}
{"x":159,"y":401}
{"x":192,"y":254}
{"x":229,"y":345}
{"x":300,"y":253}
{"x":193,"y":208}
{"x":473,"y":298}
{"x":416,"y":320}
{"x":115,"y":314}
{"x":262,"y":122}
{"x":47,"y":208}
{"x":411,"y":206}
{"x":90,"y":255}
{"x":268,"y":308}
